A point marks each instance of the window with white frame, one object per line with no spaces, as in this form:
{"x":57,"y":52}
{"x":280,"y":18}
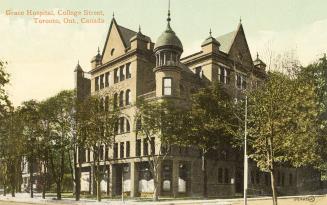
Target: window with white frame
{"x":167,"y":86}
{"x":223,"y":75}
{"x":240,"y":81}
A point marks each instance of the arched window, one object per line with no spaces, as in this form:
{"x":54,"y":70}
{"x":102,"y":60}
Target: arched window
{"x":121,"y":98}
{"x":128,"y":97}
{"x":121,"y":125}
{"x":115,"y":100}
{"x":128,"y":127}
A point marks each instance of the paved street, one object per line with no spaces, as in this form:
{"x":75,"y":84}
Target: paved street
{"x":304,"y":200}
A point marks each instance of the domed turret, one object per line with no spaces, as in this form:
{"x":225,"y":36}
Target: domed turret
{"x":168,"y":50}
{"x":168,"y":39}
{"x":168,"y":47}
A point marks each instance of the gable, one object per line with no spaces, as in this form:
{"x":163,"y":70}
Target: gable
{"x":114,"y":45}
{"x":239,"y":50}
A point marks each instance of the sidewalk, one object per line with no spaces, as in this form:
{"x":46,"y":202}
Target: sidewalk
{"x":24,"y":198}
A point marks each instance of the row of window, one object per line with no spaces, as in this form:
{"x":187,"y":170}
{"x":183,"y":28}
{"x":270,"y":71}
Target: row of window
{"x":223,"y":175}
{"x":124,"y":150}
{"x":224,"y":77}
{"x":145,"y":146}
{"x":122,"y":126}
{"x":280,"y":178}
{"x":120,"y":74}
{"x":121,"y":96}
{"x":124,"y":99}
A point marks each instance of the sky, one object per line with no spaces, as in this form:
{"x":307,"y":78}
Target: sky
{"x":42,"y":57}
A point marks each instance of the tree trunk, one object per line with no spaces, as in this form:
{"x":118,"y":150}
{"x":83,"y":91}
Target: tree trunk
{"x":78,"y":183}
{"x":156,"y":186}
{"x":98,"y":186}
{"x":273,"y":187}
{"x":58,"y":190}
{"x":31,"y":178}
{"x":4,"y":188}
{"x":204,"y":174}
{"x":44,"y":184}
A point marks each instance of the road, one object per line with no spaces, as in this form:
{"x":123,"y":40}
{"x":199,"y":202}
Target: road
{"x":305,"y":200}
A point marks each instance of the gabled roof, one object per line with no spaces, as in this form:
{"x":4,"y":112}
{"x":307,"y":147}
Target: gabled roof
{"x":226,"y":41}
{"x":126,"y":34}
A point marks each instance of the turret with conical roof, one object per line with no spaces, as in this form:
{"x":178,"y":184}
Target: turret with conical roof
{"x":96,"y":60}
{"x":210,"y":44}
{"x":259,"y":63}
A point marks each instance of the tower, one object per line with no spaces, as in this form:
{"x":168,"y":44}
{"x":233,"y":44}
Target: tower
{"x":96,"y":60}
{"x":168,"y":50}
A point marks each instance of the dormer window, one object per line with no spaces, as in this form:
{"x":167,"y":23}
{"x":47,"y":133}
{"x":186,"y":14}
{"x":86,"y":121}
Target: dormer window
{"x":112,"y":52}
{"x":167,"y":86}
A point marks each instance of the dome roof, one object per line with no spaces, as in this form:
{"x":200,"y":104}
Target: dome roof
{"x":168,"y":38}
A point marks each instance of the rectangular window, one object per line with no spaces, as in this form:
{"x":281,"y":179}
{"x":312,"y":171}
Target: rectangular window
{"x":266,"y":179}
{"x":107,"y":77}
{"x":88,"y":155}
{"x":290,"y":179}
{"x":128,"y":151}
{"x":283,"y":179}
{"x":106,"y":151}
{"x":226,"y":176}
{"x":116,"y":75}
{"x":238,"y":81}
{"x":128,"y":70}
{"x":198,"y":71}
{"x":145,"y":147}
{"x":153,"y":145}
{"x":96,"y":83}
{"x":252,"y":177}
{"x":257,"y":177}
{"x":223,"y":75}
{"x":121,"y":73}
{"x":115,"y":150}
{"x":167,"y":85}
{"x":101,"y":81}
{"x":122,"y":150}
{"x":220,"y":175}
{"x":101,"y":155}
{"x":243,"y":82}
{"x":138,"y":147}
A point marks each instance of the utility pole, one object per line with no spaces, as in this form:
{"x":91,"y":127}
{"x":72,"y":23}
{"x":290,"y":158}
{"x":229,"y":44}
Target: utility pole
{"x":245,"y":152}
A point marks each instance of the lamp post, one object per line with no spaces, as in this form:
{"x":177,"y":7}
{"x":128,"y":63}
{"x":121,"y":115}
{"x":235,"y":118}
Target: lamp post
{"x":245,"y":152}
